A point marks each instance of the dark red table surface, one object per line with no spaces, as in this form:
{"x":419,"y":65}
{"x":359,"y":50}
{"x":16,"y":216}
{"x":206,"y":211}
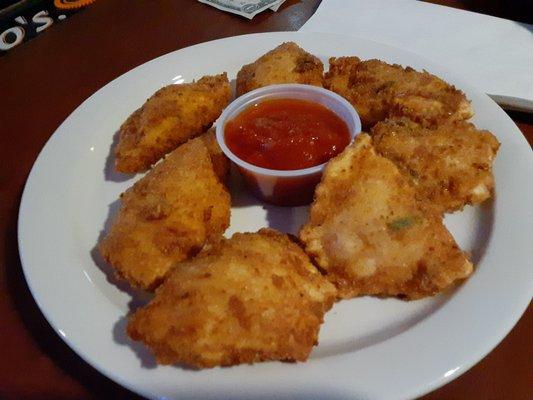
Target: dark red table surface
{"x":44,"y":80}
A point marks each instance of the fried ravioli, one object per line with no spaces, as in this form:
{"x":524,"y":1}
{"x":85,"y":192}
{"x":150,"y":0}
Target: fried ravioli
{"x":450,"y":166}
{"x":173,"y":115}
{"x":221,"y":163}
{"x":254,"y":297}
{"x":287,"y":63}
{"x":167,"y":216}
{"x":372,"y":237}
{"x":379,"y":90}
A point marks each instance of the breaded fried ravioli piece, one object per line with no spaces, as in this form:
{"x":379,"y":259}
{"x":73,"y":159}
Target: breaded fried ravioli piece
{"x":287,"y":63}
{"x":167,"y":216}
{"x":372,"y":237}
{"x":254,"y":297}
{"x":450,"y":166}
{"x":221,"y":163}
{"x":379,"y":90}
{"x":173,"y":115}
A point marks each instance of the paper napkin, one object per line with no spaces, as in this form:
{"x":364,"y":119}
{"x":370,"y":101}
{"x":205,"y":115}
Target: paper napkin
{"x":494,"y":54}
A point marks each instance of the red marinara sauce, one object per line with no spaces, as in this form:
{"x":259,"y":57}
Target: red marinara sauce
{"x":286,"y":134}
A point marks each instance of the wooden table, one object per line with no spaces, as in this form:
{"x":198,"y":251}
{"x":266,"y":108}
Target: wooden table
{"x":42,"y":82}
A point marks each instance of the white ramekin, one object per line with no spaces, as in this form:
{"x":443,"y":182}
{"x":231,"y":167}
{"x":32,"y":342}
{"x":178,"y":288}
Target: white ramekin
{"x":281,"y":187}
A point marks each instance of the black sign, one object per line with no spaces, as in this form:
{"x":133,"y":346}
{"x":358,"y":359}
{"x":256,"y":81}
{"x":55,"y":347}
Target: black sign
{"x":24,"y":19}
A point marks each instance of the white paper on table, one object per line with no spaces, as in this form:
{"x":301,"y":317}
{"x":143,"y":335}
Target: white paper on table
{"x":494,"y":54}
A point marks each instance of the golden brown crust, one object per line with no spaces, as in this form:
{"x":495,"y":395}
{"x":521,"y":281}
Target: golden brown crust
{"x":254,"y":297}
{"x":379,"y":90}
{"x":167,"y":216}
{"x":221,"y":163}
{"x":450,"y":166}
{"x":173,"y":115}
{"x":287,"y":63}
{"x":371,"y":236}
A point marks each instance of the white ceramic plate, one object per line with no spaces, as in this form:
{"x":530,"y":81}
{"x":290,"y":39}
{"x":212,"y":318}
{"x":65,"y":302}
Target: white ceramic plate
{"x":369,"y":348}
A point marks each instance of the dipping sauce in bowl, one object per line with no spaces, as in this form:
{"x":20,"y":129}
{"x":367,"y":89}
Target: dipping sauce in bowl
{"x":286,"y":134}
{"x":280,"y":137}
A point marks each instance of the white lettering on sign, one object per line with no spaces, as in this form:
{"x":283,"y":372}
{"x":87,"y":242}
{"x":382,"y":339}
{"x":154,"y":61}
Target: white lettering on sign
{"x":21,"y":20}
{"x":42,"y":18}
{"x":17,"y":31}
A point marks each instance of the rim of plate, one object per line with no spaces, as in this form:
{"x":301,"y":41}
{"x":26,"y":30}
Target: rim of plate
{"x":424,"y":357}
